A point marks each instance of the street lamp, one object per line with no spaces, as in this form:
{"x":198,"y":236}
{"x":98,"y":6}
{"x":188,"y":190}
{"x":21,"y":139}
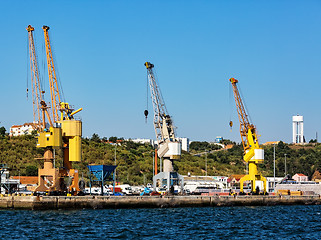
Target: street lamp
{"x":274,"y":164}
{"x":115,"y":170}
{"x":206,"y":161}
{"x":285,"y":163}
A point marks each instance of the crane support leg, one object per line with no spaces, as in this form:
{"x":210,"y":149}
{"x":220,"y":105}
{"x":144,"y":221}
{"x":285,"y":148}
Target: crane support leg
{"x":253,"y":176}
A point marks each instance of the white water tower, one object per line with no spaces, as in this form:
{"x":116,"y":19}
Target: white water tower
{"x":297,"y":122}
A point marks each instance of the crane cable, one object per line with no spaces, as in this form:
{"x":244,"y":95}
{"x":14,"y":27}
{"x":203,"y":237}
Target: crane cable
{"x":146,"y":110}
{"x":230,"y":106}
{"x":43,"y":61}
{"x":27,"y":66}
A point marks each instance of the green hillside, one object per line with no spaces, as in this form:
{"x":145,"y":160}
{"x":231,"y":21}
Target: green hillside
{"x":135,"y":161}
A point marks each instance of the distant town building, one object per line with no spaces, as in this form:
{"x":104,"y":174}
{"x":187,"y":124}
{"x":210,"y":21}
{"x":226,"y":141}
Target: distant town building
{"x":185,"y":144}
{"x":24,"y":129}
{"x":305,"y":188}
{"x":7,"y":185}
{"x":228,"y":146}
{"x":233,"y":180}
{"x":26,"y":183}
{"x":204,"y":184}
{"x":271,"y":143}
{"x":298,"y":133}
{"x":271,"y":182}
{"x":142,"y":141}
{"x":299,"y":177}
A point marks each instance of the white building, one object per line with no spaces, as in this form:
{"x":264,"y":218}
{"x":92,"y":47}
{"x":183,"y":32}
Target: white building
{"x":184,"y":141}
{"x":25,"y":129}
{"x":142,"y":141}
{"x":7,"y":185}
{"x":297,"y":123}
{"x":271,"y":182}
{"x":185,"y":144}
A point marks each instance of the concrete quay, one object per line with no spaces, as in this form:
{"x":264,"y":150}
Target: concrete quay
{"x":114,"y":202}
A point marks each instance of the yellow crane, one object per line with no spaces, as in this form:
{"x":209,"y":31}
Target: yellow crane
{"x":253,"y":154}
{"x":62,"y":132}
{"x":49,"y":137}
{"x":71,"y":128}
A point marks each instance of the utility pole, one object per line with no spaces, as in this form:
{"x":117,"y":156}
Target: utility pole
{"x":153,"y":163}
{"x":206,"y":161}
{"x":274,"y":164}
{"x":285,"y":164}
{"x":115,"y":159}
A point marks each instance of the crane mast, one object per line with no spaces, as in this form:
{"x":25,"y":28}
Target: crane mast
{"x":253,"y":154}
{"x":169,"y":147}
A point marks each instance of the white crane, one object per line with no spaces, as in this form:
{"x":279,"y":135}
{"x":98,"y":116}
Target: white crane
{"x":169,"y":147}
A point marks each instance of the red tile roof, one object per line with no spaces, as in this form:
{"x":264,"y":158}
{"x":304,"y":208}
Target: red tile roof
{"x":26,"y":179}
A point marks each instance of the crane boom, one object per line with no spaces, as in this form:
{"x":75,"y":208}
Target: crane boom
{"x":245,"y":125}
{"x":37,"y":92}
{"x":253,"y":154}
{"x":163,"y":124}
{"x":53,"y":82}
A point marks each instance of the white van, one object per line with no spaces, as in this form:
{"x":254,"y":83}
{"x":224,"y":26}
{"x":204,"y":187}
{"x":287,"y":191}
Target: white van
{"x":126,"y":189}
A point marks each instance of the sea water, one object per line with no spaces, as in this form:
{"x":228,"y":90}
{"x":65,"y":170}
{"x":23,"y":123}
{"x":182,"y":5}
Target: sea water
{"x":270,"y":222}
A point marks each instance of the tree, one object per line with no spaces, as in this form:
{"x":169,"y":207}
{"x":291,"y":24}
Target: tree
{"x":113,"y":139}
{"x":95,"y":138}
{"x":31,"y":171}
{"x":2,"y":131}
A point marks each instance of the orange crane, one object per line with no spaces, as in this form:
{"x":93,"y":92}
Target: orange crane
{"x":253,"y":154}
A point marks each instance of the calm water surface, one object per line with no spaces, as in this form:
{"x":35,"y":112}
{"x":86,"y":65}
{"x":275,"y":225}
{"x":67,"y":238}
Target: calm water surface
{"x":277,"y":222}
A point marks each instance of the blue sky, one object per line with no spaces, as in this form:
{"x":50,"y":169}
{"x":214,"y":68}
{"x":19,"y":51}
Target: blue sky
{"x":272,"y":47}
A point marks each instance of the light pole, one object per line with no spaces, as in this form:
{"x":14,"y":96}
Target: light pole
{"x":114,"y":171}
{"x":274,"y":164}
{"x":206,"y":161}
{"x":153,"y":163}
{"x":285,"y":163}
{"x":115,"y":159}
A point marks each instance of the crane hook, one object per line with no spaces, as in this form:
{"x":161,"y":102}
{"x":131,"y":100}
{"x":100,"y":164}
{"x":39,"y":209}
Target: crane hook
{"x":231,"y":124}
{"x":146,"y":114}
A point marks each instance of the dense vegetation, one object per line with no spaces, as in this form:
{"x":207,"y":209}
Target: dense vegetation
{"x":135,"y":161}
